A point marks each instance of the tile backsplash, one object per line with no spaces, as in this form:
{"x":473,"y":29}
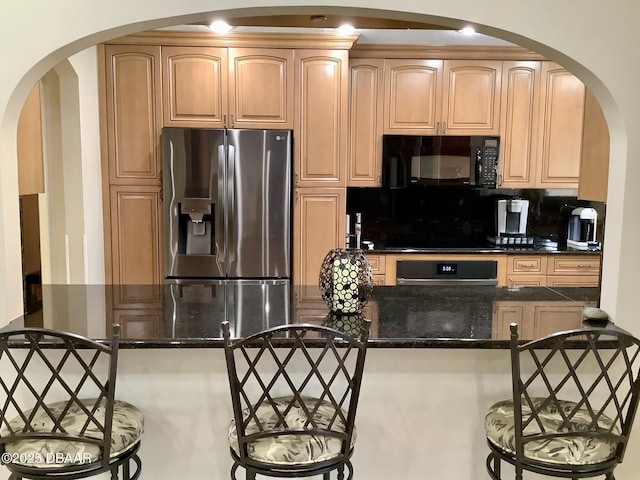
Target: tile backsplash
{"x":441,"y":216}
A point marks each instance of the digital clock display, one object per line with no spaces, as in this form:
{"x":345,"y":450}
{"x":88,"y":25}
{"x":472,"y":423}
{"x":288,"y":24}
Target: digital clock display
{"x":446,"y":268}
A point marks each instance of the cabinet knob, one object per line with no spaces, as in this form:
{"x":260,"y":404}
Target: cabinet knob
{"x":437,"y":127}
{"x":444,"y":127}
{"x":224,"y":120}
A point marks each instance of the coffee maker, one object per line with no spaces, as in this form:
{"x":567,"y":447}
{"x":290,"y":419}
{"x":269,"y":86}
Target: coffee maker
{"x":581,"y":231}
{"x":511,"y":219}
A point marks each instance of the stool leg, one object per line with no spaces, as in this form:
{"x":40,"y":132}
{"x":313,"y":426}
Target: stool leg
{"x":114,"y":473}
{"x":251,"y":474}
{"x":326,"y":476}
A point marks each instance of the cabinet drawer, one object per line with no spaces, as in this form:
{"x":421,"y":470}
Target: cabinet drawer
{"x":527,"y":281}
{"x":527,"y":265}
{"x":377,"y":263}
{"x":573,"y":281}
{"x":379,"y":280}
{"x":573,"y":265}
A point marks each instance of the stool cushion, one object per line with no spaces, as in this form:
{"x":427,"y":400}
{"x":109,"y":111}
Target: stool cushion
{"x":126,"y":431}
{"x":570,"y":450}
{"x":296,"y":448}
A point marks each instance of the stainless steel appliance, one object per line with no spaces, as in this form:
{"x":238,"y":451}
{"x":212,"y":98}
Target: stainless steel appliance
{"x":511,"y":220}
{"x":581,"y":231}
{"x":227,"y":202}
{"x":439,"y":160}
{"x":447,"y":272}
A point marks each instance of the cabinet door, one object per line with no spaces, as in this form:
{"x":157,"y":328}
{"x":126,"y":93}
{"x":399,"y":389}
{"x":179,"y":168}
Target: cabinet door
{"x":471,"y":97}
{"x":518,"y":124}
{"x":29,"y":139}
{"x":555,"y":317}
{"x":594,"y":162}
{"x":135,"y":236}
{"x":505,"y":313}
{"x":318,"y":227}
{"x":321,"y":87}
{"x":365,"y":123}
{"x":134,"y":112}
{"x":560,"y":132}
{"x":195,"y":86}
{"x":413,"y":89}
{"x":260,"y":88}
{"x":139,"y":325}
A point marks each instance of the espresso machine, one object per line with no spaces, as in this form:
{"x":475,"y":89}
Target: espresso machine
{"x":581,"y":231}
{"x":511,"y":223}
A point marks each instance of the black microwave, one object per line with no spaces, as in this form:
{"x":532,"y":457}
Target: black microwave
{"x":439,"y":160}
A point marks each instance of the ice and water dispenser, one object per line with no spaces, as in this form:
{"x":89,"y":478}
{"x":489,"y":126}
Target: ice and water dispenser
{"x":190,"y":197}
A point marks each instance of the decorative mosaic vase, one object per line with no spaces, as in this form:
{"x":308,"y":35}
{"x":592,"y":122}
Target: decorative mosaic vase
{"x":345,"y":322}
{"x":345,"y":280}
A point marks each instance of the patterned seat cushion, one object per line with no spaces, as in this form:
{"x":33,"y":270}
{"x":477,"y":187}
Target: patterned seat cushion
{"x":128,"y":425}
{"x":292,"y":449}
{"x":570,"y":450}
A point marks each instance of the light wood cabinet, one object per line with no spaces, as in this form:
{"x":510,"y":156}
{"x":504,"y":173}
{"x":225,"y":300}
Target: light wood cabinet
{"x":318,"y":227}
{"x":527,"y":271}
{"x":261,"y":88}
{"x":560,"y":135}
{"x":136,"y":224}
{"x":553,"y":271}
{"x":29,"y":144}
{"x":536,"y":319}
{"x":518,"y":124}
{"x":321,"y":91}
{"x":412,"y":96}
{"x":471,"y":97}
{"x":365,"y":122}
{"x":436,"y":97}
{"x":133,"y":111}
{"x":195,"y":86}
{"x":378,"y":268}
{"x":210,"y":87}
{"x":594,"y":163}
{"x":573,"y":271}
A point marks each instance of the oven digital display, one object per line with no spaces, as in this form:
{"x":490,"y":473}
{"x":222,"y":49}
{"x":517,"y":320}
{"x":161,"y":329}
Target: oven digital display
{"x":446,"y":268}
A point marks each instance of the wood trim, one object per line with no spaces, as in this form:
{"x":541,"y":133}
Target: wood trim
{"x":104,"y":161}
{"x":453,"y":52}
{"x":264,"y":40}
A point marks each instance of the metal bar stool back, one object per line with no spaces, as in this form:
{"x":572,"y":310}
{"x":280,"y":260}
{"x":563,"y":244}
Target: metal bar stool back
{"x":58,"y":413}
{"x":294,"y":391}
{"x":575,"y":396}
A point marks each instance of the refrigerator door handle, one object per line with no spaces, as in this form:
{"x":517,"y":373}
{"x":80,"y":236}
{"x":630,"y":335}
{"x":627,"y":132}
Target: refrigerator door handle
{"x":220,"y":220}
{"x":231,"y":246}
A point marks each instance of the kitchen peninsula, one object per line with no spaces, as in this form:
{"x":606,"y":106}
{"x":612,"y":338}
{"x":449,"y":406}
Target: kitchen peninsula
{"x":188,"y":314}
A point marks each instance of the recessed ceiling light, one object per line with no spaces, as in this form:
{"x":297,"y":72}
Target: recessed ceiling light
{"x":467,"y":31}
{"x":345,"y":29}
{"x":220,"y":26}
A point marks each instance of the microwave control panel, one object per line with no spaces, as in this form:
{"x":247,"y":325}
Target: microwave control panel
{"x":487,"y":162}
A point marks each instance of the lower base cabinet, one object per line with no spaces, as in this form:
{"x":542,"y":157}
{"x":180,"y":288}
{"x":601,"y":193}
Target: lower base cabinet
{"x":536,"y":319}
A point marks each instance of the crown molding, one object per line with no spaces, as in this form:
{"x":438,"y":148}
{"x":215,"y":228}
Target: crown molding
{"x":240,"y":39}
{"x":453,"y":52}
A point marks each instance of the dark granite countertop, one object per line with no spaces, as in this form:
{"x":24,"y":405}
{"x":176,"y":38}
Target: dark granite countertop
{"x":189,"y":314}
{"x":488,"y":249}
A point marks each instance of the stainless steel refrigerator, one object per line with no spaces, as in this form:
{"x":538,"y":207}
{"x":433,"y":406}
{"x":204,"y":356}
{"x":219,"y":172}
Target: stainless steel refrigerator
{"x":227,"y":202}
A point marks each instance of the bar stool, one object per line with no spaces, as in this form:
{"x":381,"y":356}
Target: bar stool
{"x":575,"y":395}
{"x":58,"y":415}
{"x":294,"y":391}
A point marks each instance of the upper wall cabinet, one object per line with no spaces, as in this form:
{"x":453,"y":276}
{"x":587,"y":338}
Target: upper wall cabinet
{"x":260,"y":88}
{"x":436,"y":97}
{"x":134,"y":114}
{"x":29,"y":139}
{"x":471,"y":97}
{"x":594,"y":165}
{"x":518,"y":124}
{"x":321,"y":90}
{"x":195,"y":86}
{"x":365,"y":122}
{"x":211,"y":87}
{"x":561,"y":117}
